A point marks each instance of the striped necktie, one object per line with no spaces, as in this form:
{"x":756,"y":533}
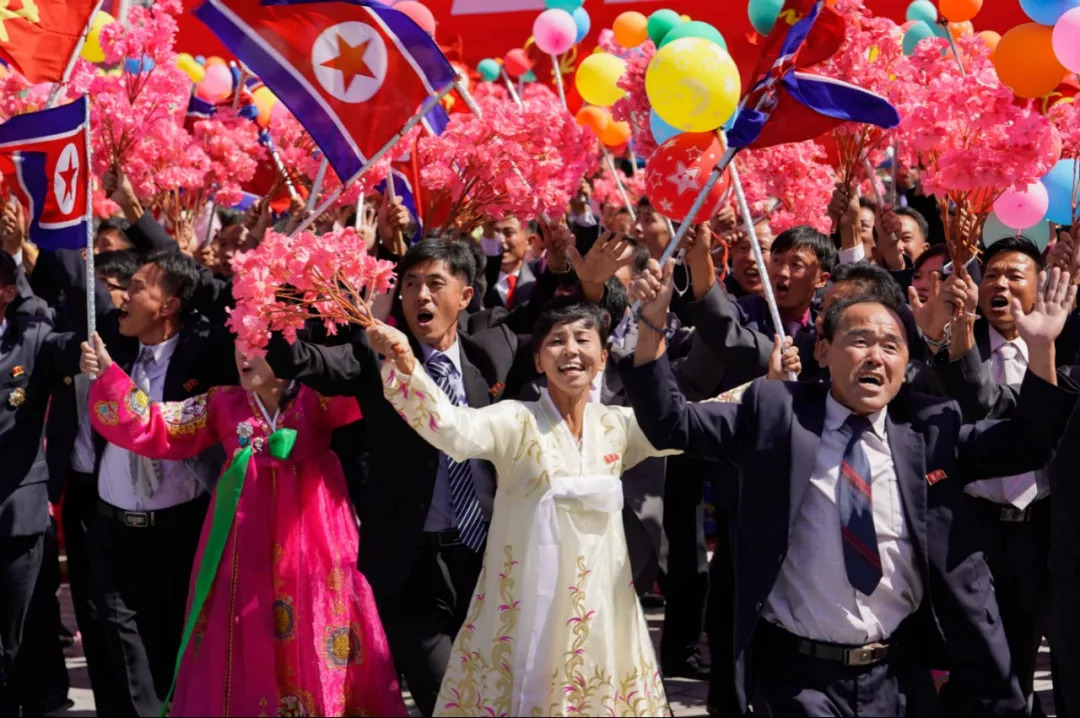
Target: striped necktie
{"x":470,"y":519}
{"x":856,"y":503}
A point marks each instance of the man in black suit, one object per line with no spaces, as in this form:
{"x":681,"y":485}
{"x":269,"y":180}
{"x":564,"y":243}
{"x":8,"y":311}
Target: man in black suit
{"x":143,"y":538}
{"x":422,"y":544}
{"x":32,"y":356}
{"x":854,"y":552}
{"x":510,"y":279}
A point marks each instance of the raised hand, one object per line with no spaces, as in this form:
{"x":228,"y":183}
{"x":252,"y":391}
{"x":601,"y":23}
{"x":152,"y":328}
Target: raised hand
{"x":784,"y":360}
{"x":95,"y":359}
{"x":607,"y":255}
{"x":557,"y":240}
{"x":392,"y":344}
{"x":654,"y":288}
{"x":12,"y":227}
{"x":1054,"y":299}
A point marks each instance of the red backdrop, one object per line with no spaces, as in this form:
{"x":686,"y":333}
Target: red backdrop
{"x":501,"y":25}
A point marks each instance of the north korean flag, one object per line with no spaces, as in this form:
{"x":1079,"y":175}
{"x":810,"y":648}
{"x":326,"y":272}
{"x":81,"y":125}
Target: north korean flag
{"x":44,"y":161}
{"x":353,"y":72}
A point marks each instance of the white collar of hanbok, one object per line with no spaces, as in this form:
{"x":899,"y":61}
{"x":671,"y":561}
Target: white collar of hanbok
{"x":271,"y":421}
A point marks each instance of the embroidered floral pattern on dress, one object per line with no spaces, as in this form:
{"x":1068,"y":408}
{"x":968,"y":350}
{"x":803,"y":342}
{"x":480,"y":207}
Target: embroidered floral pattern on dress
{"x":343,"y":647}
{"x":138,"y":403}
{"x":284,"y":619}
{"x":185,"y":417}
{"x":107,"y":412}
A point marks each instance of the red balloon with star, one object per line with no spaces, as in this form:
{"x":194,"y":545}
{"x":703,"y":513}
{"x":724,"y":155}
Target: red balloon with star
{"x":677,"y":171}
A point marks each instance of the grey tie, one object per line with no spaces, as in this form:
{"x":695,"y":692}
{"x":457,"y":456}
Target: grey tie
{"x":145,"y":473}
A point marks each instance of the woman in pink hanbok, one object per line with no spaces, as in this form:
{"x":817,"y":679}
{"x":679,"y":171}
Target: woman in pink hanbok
{"x":280,"y":620}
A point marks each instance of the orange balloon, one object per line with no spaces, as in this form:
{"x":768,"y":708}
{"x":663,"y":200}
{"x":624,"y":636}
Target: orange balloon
{"x":213,"y":60}
{"x":961,"y":29}
{"x":598,"y":118}
{"x":960,"y":10}
{"x":615,"y":134}
{"x":631,"y":29}
{"x":991,"y":38}
{"x":1025,"y":60}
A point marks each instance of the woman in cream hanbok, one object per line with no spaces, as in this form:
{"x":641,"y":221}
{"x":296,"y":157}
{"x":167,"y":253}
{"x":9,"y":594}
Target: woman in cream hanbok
{"x":554,"y":627}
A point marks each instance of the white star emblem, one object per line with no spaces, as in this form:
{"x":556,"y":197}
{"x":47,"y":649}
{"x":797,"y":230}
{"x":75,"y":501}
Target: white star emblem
{"x":64,"y":176}
{"x":349,"y":60}
{"x":685,"y":179}
{"x":666,"y":206}
{"x":693,"y":154}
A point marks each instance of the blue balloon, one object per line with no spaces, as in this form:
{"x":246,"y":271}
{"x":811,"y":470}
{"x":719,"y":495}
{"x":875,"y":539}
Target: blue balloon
{"x":923,"y":10}
{"x":731,"y":121}
{"x":763,"y":14}
{"x":200,"y":59}
{"x":915,"y":34}
{"x":661,"y":131}
{"x":134,"y":66}
{"x":1047,"y":12}
{"x":489,"y":69}
{"x":584,"y":24}
{"x":567,"y":5}
{"x":1059,"y":185}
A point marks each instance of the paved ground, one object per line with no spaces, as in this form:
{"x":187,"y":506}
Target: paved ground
{"x":687,"y":697}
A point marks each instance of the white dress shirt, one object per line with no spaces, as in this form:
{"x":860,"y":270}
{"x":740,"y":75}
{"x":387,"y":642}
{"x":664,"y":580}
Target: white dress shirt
{"x":1007,"y":364}
{"x":503,"y":285}
{"x":3,"y":327}
{"x":812,"y":597}
{"x":179,"y":484}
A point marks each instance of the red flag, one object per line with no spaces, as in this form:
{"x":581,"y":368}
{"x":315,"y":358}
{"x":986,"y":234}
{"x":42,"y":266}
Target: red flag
{"x":38,"y":37}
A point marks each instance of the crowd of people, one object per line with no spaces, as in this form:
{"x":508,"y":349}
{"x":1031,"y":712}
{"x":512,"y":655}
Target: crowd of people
{"x":475,"y":496}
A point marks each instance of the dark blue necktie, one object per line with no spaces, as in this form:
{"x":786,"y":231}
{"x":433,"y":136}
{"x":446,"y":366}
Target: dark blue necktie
{"x":856,"y":504}
{"x":470,"y":519}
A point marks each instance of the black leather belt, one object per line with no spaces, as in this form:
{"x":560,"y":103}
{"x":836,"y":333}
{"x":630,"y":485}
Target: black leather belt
{"x":867,"y":655}
{"x":442,"y":539}
{"x":1013,"y":515}
{"x":141,"y":519}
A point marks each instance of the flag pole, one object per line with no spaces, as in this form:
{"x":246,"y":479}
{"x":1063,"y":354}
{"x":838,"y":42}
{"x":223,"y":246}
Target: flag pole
{"x":677,"y":238}
{"x":280,"y":165}
{"x":91,"y":279}
{"x":413,"y":122}
{"x":755,"y":244}
{"x":239,"y":88}
{"x":320,"y":175}
{"x":54,"y":93}
{"x":618,"y":182}
{"x":872,"y":176}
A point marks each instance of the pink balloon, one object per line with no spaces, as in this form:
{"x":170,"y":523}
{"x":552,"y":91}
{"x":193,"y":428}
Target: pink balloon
{"x":216,"y":85}
{"x":419,"y":14}
{"x":1019,"y":210}
{"x":1066,"y":40}
{"x":554,"y":31}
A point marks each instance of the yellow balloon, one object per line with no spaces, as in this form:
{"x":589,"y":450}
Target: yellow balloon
{"x":597,"y":77}
{"x":693,"y":84}
{"x":186,"y":63}
{"x":684,"y":17}
{"x":91,"y":49}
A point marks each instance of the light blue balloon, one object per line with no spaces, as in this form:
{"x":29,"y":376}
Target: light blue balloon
{"x":732,"y":120}
{"x":923,"y":10}
{"x":995,"y":230}
{"x":915,"y":34}
{"x":763,"y":14}
{"x":583,"y":22}
{"x":1047,"y":12}
{"x":567,"y":5}
{"x":1059,"y":185}
{"x":489,"y":69}
{"x":200,"y":60}
{"x":661,"y":131}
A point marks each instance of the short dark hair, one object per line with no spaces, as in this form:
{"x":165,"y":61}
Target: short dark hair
{"x":623,"y":209}
{"x":871,"y":280}
{"x":229,"y":217}
{"x":916,"y":215}
{"x":118,"y":223}
{"x":936,"y":250}
{"x":835,"y":315}
{"x":9,"y":271}
{"x":566,"y":310}
{"x":1020,"y":244}
{"x":457,"y":254}
{"x":119,"y":263}
{"x":867,"y":203}
{"x":643,"y":201}
{"x":179,"y":276}
{"x":804,"y":236}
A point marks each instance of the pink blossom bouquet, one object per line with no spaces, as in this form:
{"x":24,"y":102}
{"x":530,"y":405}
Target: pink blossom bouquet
{"x":793,"y":175}
{"x":289,"y":280}
{"x":971,"y":137}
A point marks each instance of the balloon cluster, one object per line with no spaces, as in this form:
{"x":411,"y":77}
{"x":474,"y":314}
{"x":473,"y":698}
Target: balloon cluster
{"x":924,"y":22}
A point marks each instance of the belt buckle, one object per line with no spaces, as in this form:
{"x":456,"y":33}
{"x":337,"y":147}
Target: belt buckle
{"x":1011,"y":514}
{"x":448,"y":539}
{"x":136,"y":519}
{"x":864,"y":655}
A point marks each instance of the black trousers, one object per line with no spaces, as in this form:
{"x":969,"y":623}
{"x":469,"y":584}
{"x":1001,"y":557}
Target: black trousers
{"x":46,"y":680}
{"x":685,"y":577}
{"x":20,"y":563}
{"x":423,"y":621}
{"x":720,"y":619}
{"x":1017,"y":554}
{"x":140,"y":582}
{"x":80,"y":507}
{"x":787,"y":683}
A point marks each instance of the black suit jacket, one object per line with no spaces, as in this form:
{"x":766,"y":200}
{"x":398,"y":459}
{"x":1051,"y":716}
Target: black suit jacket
{"x":773,"y":436}
{"x":31,"y":356}
{"x":522,"y":292}
{"x":402,"y":464}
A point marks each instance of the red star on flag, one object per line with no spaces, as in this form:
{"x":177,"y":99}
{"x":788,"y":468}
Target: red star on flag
{"x":68,"y":175}
{"x":350,"y":60}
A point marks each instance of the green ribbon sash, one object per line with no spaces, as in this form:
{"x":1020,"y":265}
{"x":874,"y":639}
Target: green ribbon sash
{"x":227,"y":496}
